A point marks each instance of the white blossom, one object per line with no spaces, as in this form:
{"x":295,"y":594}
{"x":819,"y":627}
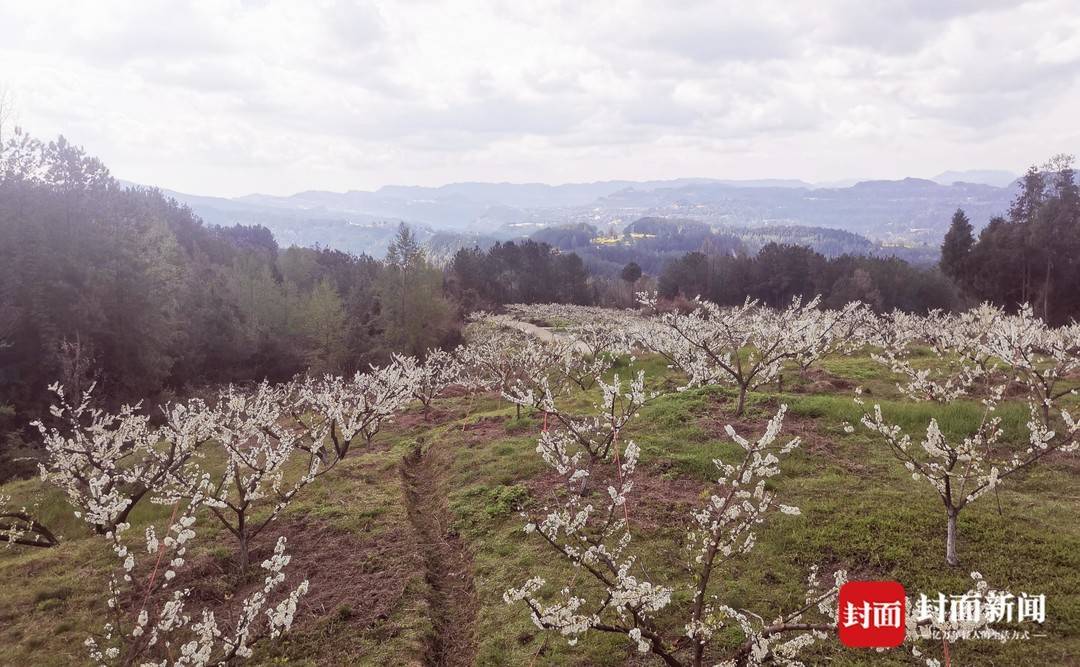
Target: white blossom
{"x":596,"y":539}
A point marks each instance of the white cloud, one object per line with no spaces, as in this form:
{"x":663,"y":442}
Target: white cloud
{"x":276,"y":96}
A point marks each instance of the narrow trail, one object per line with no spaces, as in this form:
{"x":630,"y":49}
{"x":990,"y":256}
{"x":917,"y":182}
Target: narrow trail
{"x":452,"y":601}
{"x":544,"y":334}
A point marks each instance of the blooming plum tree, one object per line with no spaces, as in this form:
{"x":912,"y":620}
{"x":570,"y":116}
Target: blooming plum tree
{"x":971,"y":346}
{"x":148,"y":623}
{"x":596,"y":435}
{"x":746,"y":345}
{"x":263,"y":430}
{"x":435,"y":374}
{"x":105,"y":463}
{"x":619,"y":596}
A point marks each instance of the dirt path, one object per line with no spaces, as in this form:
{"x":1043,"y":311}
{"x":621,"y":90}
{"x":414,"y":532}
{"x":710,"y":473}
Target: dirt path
{"x":452,"y":600}
{"x":544,"y":334}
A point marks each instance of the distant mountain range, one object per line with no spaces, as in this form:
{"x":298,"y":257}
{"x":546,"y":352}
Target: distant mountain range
{"x":911,"y":212}
{"x":993,"y":177}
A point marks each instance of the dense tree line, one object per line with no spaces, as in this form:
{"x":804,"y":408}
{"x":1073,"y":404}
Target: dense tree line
{"x":829,"y":242}
{"x":126,"y":288}
{"x":1031,"y":254}
{"x":522,"y":272}
{"x":779,"y":272}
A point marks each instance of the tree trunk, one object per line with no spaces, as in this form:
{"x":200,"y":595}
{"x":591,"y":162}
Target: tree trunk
{"x":584,"y":490}
{"x":950,"y":538}
{"x":742,"y":401}
{"x":242,"y":534}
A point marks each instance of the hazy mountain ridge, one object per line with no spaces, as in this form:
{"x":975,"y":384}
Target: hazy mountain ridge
{"x":906,"y":212}
{"x":995,"y":177}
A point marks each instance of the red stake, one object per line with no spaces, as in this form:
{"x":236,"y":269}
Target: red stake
{"x":618,"y":467}
{"x":160,"y":553}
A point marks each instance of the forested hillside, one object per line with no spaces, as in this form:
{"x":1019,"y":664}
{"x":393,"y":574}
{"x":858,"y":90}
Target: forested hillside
{"x":1029,"y":255}
{"x":126,"y":288}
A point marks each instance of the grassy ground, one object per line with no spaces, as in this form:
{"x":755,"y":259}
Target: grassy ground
{"x":370,"y":601}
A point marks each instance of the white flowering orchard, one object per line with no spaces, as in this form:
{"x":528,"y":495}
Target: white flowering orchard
{"x":439,"y":371}
{"x":979,"y":353}
{"x":589,"y":338}
{"x":593,"y":533}
{"x":595,"y":435}
{"x":241,"y":459}
{"x":747,"y":345}
{"x":243,"y":456}
{"x":149,"y":621}
{"x":500,"y":357}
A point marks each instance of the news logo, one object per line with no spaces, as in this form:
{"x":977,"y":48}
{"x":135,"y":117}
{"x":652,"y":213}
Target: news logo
{"x":872,"y":614}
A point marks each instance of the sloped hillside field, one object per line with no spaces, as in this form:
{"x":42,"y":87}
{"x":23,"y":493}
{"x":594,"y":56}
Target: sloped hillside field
{"x":634,"y":488}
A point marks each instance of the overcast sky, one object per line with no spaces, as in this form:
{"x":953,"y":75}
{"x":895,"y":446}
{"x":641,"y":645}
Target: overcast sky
{"x":230,"y":97}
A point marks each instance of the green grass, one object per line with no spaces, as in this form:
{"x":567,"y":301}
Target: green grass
{"x":861,"y":512}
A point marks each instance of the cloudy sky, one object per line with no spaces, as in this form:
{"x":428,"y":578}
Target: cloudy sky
{"x":228,"y":97}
